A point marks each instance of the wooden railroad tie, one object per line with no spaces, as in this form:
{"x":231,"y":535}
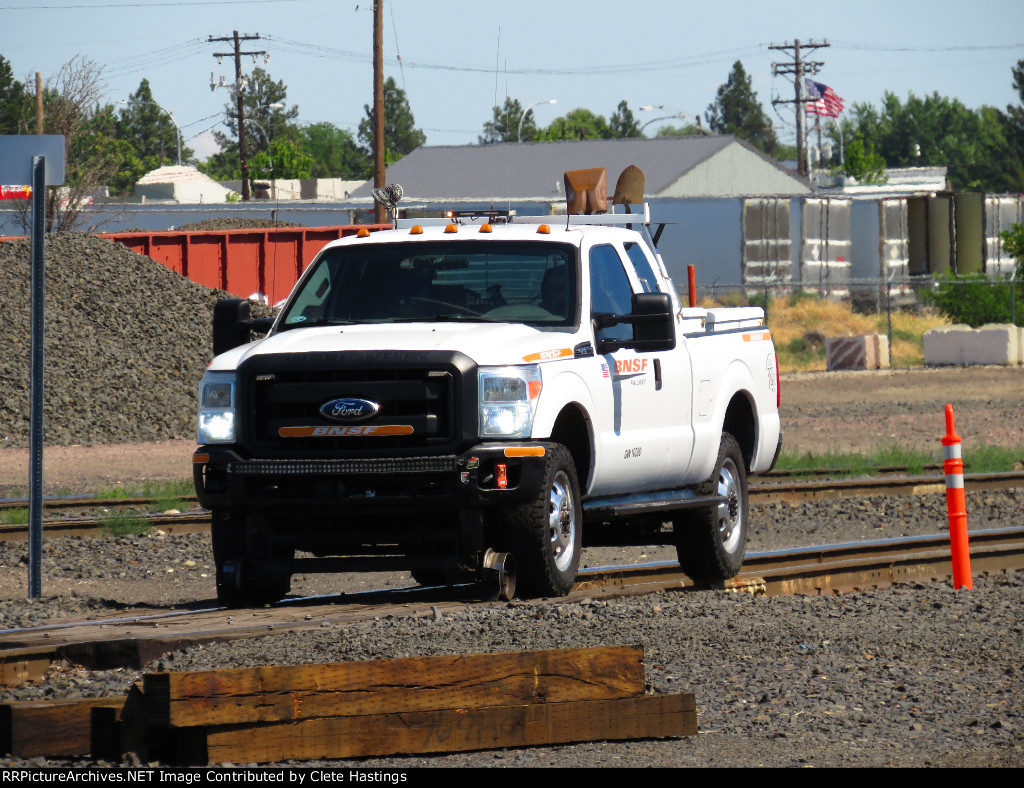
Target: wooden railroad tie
{"x":383,"y":707}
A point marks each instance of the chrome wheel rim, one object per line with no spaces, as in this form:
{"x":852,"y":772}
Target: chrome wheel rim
{"x":730,"y":511}
{"x":562,"y":521}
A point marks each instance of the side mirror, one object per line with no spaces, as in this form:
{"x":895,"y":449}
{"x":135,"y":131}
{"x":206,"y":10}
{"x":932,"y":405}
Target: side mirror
{"x":657,"y":329}
{"x":232,"y":324}
{"x":654,"y":326}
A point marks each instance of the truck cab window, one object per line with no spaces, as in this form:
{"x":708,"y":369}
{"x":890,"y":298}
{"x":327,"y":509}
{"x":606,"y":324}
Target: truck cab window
{"x":610,"y":293}
{"x":643,"y":268}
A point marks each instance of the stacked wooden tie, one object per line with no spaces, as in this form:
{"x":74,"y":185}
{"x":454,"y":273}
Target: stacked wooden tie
{"x":360,"y":709}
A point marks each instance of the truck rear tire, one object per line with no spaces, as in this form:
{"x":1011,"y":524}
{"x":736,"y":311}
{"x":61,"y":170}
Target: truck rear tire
{"x":711,"y":542}
{"x":545,"y":536}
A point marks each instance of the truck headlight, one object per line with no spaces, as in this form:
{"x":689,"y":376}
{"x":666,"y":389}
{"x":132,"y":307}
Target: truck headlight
{"x":508,"y":401}
{"x":216,"y":408}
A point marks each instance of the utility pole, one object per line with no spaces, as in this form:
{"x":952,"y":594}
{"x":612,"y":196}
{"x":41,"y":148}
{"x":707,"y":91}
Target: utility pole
{"x":39,"y":103}
{"x":799,"y":68}
{"x":239,"y":94}
{"x":379,"y":211}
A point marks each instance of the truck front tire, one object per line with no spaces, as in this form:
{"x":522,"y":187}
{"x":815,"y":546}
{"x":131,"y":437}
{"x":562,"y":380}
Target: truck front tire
{"x":545,"y":535}
{"x":241,"y":579}
{"x":711,"y":542}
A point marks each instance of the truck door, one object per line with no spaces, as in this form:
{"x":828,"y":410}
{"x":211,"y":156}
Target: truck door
{"x":676,"y":378}
{"x":634,"y":405}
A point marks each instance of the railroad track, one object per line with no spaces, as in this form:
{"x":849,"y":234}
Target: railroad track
{"x":132,"y":639}
{"x":760,"y":492}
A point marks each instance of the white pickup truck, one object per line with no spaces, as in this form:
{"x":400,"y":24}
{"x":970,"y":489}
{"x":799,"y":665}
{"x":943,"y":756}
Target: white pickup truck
{"x":482,"y":396}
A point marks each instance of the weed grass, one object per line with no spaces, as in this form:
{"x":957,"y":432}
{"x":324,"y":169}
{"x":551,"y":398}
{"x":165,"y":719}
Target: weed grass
{"x":984,"y":459}
{"x":160,"y":490}
{"x":125,"y":524}
{"x":801,"y":322}
{"x":13,"y":516}
{"x":165,"y":495}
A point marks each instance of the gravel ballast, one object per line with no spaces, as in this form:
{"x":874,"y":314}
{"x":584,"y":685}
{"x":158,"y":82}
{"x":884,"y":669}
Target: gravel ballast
{"x":909,"y":676}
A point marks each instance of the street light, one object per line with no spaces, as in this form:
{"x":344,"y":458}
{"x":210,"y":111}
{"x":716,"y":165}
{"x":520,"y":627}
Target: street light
{"x":672,"y":114}
{"x":263,"y":131}
{"x":177,"y":131}
{"x":519,"y":134}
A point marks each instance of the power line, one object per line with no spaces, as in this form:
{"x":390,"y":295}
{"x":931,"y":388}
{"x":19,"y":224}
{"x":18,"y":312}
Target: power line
{"x":623,"y":68}
{"x":904,"y":48}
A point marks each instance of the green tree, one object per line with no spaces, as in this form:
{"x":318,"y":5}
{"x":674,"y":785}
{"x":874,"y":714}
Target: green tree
{"x":94,"y":156}
{"x":284,"y":159}
{"x":622,"y":123}
{"x":579,"y":124}
{"x":1013,"y":129}
{"x":223,"y":165}
{"x":687,"y":130}
{"x":504,"y":126}
{"x":334,"y":152}
{"x":737,"y":110}
{"x":1013,"y":243}
{"x":14,"y":101}
{"x":862,"y":163}
{"x":400,"y":133}
{"x":938,"y":131}
{"x":267,"y":117}
{"x":150,"y":130}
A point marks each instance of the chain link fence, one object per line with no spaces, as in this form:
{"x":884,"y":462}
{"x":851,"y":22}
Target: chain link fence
{"x":972,"y":300}
{"x":903,"y":309}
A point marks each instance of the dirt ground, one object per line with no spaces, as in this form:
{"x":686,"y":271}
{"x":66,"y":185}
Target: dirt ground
{"x":821,"y":412}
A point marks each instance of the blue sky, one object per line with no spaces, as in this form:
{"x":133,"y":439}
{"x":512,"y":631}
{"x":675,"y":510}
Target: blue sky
{"x":459,"y":58}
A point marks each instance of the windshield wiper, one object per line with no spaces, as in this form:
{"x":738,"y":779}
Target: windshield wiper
{"x":323,"y":321}
{"x":452,"y":318}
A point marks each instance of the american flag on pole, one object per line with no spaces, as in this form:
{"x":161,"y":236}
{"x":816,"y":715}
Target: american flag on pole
{"x":823,"y":100}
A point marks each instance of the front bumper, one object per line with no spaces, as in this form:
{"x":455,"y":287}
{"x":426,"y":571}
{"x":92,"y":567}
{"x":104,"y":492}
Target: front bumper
{"x":486,"y":475}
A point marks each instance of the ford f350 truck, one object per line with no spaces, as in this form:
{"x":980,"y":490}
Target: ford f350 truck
{"x":480,"y":396}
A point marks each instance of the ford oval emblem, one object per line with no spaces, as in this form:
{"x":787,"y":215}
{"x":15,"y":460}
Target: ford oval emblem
{"x":349,"y":409}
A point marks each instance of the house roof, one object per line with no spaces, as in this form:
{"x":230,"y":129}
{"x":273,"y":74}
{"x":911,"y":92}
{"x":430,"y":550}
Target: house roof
{"x":533,"y":170}
{"x":175,"y":174}
{"x":181,"y":184}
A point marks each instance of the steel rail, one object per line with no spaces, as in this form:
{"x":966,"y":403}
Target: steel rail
{"x":759,"y":493}
{"x":75,"y":502}
{"x":138,"y":637}
{"x":184,"y":523}
{"x":839,"y":478}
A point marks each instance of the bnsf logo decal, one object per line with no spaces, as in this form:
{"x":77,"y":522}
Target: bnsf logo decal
{"x":344,"y":432}
{"x":627,"y":365}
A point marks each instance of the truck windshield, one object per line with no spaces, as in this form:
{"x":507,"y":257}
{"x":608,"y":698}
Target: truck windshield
{"x":504,"y":282}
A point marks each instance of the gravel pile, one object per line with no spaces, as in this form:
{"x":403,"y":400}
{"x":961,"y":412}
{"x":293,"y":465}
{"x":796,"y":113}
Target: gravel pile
{"x":229,"y":223}
{"x":127,"y":341}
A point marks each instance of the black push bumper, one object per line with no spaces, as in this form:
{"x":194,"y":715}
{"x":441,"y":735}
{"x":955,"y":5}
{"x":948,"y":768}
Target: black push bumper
{"x":487,"y":475}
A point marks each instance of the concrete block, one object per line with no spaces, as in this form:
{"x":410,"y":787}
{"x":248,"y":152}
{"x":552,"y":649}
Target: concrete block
{"x":881,"y":351}
{"x":866,"y":351}
{"x":962,"y":345}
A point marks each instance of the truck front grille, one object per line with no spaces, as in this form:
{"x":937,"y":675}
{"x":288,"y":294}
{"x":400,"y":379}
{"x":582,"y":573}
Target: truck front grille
{"x":419,"y":398}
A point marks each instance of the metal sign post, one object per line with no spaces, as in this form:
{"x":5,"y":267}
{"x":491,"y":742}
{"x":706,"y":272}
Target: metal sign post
{"x":35,"y":438}
{"x":46,"y":157}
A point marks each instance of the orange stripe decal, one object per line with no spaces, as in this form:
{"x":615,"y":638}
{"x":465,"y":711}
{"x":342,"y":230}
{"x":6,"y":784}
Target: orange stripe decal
{"x":757,"y":336}
{"x":345,"y":432}
{"x":550,"y":355}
